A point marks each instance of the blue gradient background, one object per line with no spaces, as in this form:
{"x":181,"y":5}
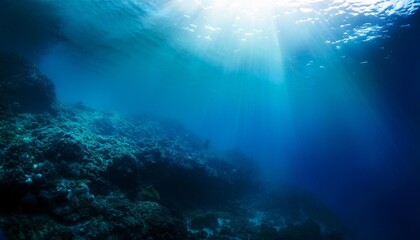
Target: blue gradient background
{"x":348,"y":131}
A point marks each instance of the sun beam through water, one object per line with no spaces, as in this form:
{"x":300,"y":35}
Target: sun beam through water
{"x":249,"y":32}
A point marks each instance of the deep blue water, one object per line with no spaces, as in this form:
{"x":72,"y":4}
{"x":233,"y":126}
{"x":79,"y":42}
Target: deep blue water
{"x":323,"y":95}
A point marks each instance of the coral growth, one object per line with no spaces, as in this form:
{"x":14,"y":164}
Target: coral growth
{"x":70,"y":172}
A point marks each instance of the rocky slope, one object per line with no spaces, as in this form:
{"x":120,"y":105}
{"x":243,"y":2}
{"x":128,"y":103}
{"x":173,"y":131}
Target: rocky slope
{"x":71,"y":172}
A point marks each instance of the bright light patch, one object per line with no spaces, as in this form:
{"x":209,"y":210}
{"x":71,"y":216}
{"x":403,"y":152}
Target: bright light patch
{"x":255,"y":33}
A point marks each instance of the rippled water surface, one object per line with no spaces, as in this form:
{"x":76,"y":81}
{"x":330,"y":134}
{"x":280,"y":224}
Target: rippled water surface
{"x":231,"y":33}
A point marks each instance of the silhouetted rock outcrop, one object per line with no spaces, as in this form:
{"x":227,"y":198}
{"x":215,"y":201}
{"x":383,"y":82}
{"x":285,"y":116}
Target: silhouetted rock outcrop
{"x":23,"y":89}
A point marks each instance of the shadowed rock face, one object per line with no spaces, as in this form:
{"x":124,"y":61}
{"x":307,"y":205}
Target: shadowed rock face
{"x":23,"y":88}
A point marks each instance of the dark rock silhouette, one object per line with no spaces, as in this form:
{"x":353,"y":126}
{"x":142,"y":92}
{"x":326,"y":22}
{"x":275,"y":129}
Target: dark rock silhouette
{"x":23,"y":89}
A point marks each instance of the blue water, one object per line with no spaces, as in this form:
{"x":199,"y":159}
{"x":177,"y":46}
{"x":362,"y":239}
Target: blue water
{"x":324,"y":95}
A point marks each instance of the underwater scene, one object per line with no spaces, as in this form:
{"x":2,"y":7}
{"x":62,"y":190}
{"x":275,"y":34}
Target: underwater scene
{"x":210,"y":119}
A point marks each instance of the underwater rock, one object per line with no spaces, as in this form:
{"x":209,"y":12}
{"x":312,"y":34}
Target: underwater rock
{"x":23,"y":88}
{"x":149,"y":193}
{"x":204,"y":220}
{"x":104,"y":126}
{"x":159,"y":224}
{"x":71,"y":201}
{"x":124,"y":171}
{"x":61,"y":168}
{"x":86,"y":174}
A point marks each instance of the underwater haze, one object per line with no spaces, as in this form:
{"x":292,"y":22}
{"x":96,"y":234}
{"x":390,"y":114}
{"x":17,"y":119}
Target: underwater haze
{"x":323,"y":96}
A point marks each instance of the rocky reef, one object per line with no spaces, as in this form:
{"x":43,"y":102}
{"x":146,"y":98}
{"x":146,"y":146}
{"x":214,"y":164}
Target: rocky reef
{"x":23,"y":88}
{"x":72,"y":172}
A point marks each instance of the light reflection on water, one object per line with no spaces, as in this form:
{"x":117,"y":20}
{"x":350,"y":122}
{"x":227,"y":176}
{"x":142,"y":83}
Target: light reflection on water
{"x":231,"y":33}
{"x":239,"y":32}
